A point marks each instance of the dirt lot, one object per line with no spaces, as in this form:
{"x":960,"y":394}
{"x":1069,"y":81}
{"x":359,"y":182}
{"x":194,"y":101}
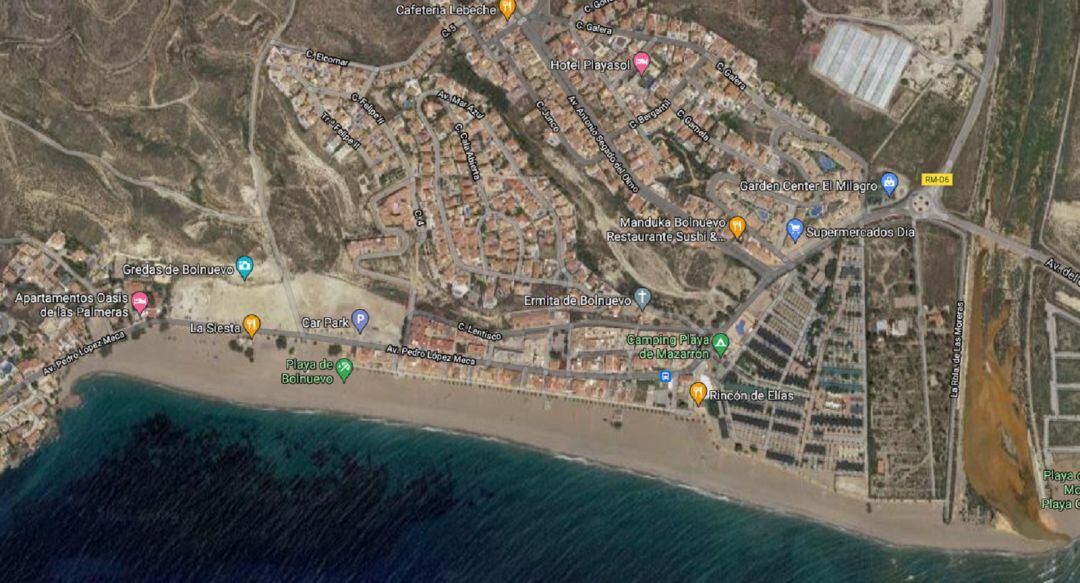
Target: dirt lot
{"x":922,"y":142}
{"x":364,"y":30}
{"x":897,"y":10}
{"x":1062,"y":232}
{"x":939,"y":251}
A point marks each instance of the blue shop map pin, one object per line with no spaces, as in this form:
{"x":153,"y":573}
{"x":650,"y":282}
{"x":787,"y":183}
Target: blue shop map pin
{"x":889,"y":182}
{"x":795,"y":229}
{"x":359,"y":319}
{"x":642,"y":297}
{"x":244,"y":265}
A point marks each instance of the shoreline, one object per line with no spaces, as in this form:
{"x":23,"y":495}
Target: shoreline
{"x":654,"y":445}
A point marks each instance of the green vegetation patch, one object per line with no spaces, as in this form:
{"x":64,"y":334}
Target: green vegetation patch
{"x":1032,"y":83}
{"x":1068,"y":335}
{"x":1069,"y":402}
{"x":461,"y":71}
{"x":1068,"y":370}
{"x":1064,"y":433}
{"x":922,"y":142}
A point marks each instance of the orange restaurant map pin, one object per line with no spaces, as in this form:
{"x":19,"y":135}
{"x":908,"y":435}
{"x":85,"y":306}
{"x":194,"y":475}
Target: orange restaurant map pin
{"x":737,"y":225}
{"x":252,"y":324}
{"x":507,"y":7}
{"x":698,"y":392}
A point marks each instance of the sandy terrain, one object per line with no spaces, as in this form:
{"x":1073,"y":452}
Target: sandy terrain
{"x":317,"y":296}
{"x":1062,"y":232}
{"x":997,"y":456}
{"x":1068,"y":300}
{"x":658,"y":444}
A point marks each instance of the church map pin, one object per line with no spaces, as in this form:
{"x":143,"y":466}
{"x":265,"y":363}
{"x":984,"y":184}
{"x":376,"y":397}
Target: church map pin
{"x":889,"y":182}
{"x":360,"y":320}
{"x":642,"y":297}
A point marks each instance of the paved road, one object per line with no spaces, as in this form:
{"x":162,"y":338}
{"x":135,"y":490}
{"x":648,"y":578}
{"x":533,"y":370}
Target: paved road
{"x":993,"y":49}
{"x":305,"y":335}
{"x":986,"y":79}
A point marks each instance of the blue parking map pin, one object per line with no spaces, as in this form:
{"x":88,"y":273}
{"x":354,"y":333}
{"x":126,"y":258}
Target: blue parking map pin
{"x":795,"y":229}
{"x":360,"y":320}
{"x":889,"y":182}
{"x":244,"y":265}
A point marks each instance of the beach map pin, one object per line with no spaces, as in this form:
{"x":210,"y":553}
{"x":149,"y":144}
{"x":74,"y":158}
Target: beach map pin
{"x":642,"y":297}
{"x":244,"y":265}
{"x":360,"y":320}
{"x":889,"y":182}
{"x":343,"y":368}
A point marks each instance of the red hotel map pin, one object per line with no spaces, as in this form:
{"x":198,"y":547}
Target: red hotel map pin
{"x":641,"y":62}
{"x":140,"y":301}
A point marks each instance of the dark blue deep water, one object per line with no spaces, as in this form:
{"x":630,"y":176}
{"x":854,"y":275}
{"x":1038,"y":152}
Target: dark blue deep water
{"x":148,"y":485}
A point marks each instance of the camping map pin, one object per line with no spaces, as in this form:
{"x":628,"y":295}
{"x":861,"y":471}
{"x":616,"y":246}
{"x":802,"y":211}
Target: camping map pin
{"x":720,"y":343}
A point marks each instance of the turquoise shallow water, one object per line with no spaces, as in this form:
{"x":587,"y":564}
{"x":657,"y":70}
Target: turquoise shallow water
{"x":145,"y":484}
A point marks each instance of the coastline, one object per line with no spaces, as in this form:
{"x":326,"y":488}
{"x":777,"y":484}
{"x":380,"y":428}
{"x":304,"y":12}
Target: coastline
{"x":656,"y":445}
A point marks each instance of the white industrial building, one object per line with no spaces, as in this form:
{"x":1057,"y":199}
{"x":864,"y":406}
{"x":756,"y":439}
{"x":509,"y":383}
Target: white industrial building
{"x":864,"y":64}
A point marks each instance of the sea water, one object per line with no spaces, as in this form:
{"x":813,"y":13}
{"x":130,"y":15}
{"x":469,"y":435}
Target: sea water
{"x":147,"y":484}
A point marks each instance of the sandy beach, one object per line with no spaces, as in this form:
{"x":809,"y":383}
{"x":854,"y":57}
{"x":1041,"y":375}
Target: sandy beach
{"x":657,"y":444}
